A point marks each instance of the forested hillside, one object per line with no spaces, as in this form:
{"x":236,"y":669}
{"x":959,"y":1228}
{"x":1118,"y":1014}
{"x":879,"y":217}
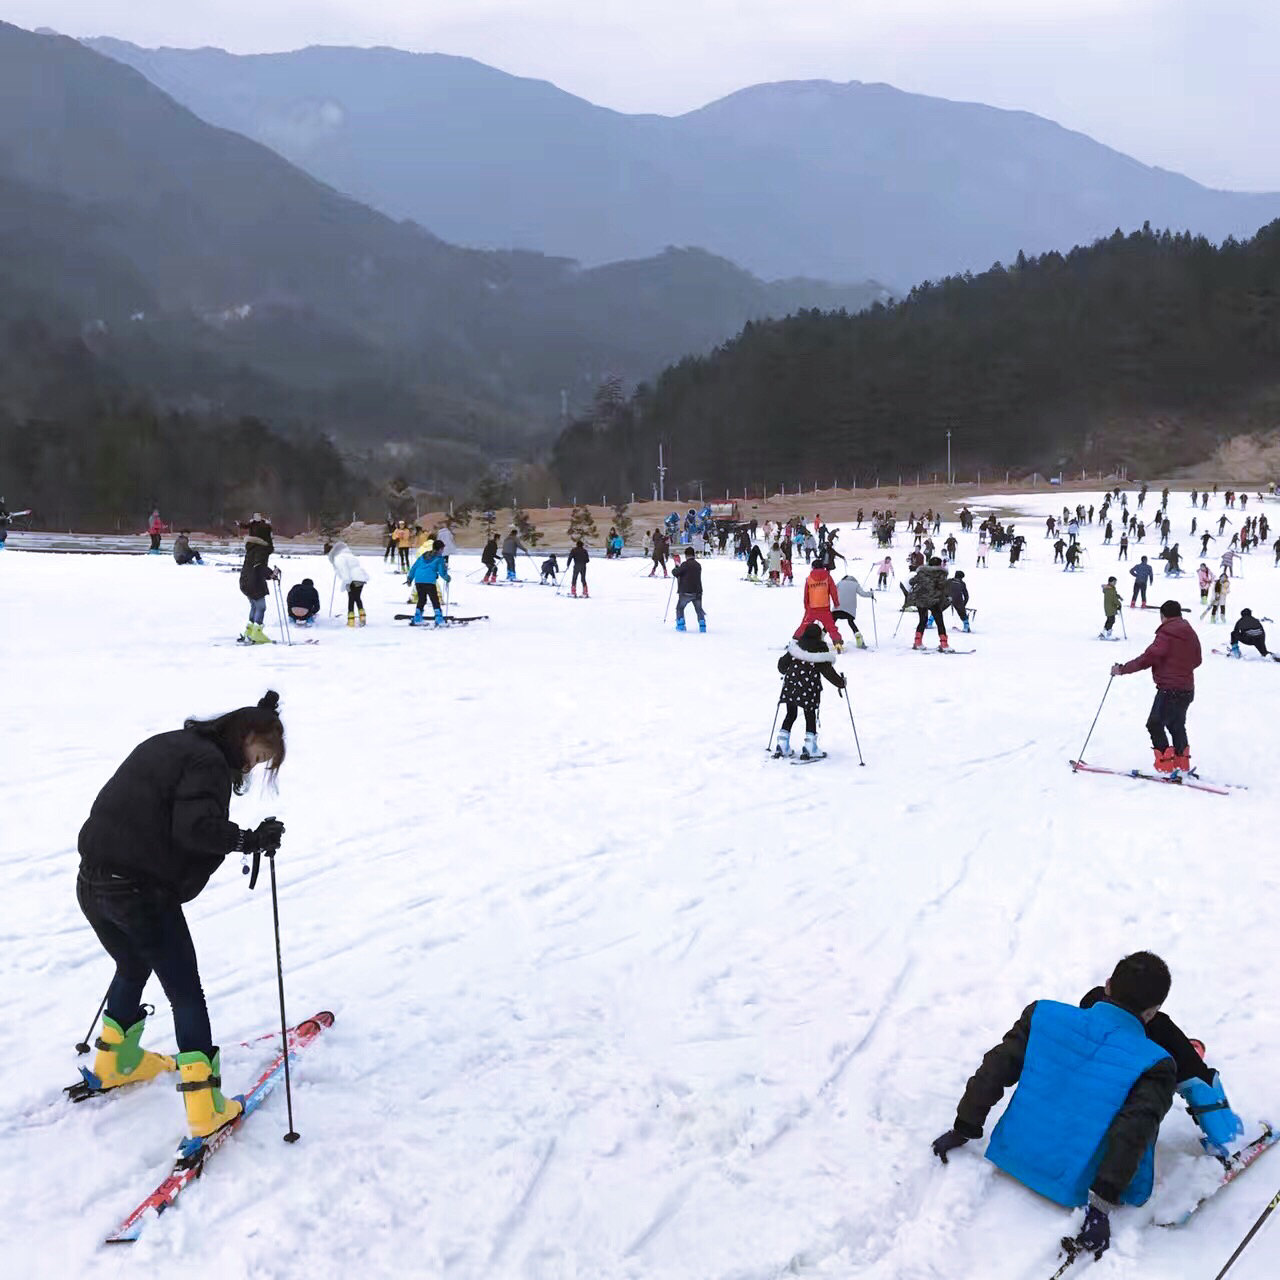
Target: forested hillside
{"x":1143,"y":349}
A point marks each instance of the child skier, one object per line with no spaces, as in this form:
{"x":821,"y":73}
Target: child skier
{"x":1111,"y":606}
{"x":1204,"y":578}
{"x":550,"y":570}
{"x":1095,"y":1080}
{"x":351,"y":575}
{"x":885,"y":572}
{"x":958,"y":595}
{"x":803,"y":667}
{"x":427,"y":570}
{"x":156,"y":833}
{"x":1221,"y":590}
{"x":848,"y":589}
{"x":820,"y":597}
{"x":775,"y":564}
{"x":489,"y":558}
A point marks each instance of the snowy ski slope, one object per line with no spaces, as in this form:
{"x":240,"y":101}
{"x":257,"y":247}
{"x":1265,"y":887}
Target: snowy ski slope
{"x":617,"y":995}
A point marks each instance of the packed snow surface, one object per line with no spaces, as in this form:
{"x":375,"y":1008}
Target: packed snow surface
{"x":617,"y":994}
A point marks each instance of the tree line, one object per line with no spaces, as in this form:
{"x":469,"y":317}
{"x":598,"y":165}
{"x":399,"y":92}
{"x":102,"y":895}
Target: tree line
{"x":1138,"y":351}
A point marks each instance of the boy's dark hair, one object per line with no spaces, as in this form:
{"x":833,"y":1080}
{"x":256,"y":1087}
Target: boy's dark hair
{"x":1140,"y":981}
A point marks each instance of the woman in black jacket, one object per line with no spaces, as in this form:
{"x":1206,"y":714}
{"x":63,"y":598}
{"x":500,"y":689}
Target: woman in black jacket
{"x":256,"y":577}
{"x":156,"y":833}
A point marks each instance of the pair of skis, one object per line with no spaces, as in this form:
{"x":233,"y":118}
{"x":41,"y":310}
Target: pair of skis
{"x":194,"y":1154}
{"x":1192,"y":781}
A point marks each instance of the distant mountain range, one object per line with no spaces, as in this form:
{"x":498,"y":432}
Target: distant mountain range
{"x":810,"y":178}
{"x":201,"y":267}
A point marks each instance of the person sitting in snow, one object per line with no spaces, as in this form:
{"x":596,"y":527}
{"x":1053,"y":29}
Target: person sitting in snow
{"x":806,"y":663}
{"x":1092,"y":1084}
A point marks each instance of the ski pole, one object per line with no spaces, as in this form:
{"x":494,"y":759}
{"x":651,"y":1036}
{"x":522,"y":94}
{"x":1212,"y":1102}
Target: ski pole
{"x":333,"y":590}
{"x":292,"y":1135}
{"x":875,"y":630}
{"x":1080,"y":758}
{"x":670,"y":592}
{"x":768,"y":747}
{"x":1124,"y":631}
{"x":83,"y":1046}
{"x":848,"y":701}
{"x":284,"y":630}
{"x":1253,"y":1231}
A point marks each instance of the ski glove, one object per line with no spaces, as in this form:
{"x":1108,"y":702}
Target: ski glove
{"x":264,"y":838}
{"x":1095,"y":1235}
{"x":949,"y":1141}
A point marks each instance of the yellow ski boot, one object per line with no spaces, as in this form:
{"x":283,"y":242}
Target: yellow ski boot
{"x":201,"y":1088}
{"x":122,"y":1059}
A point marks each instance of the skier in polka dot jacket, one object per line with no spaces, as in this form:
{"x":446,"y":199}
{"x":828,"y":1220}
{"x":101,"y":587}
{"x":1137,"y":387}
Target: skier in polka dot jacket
{"x":804,"y":666}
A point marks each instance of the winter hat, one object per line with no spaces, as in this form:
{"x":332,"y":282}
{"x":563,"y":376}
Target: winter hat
{"x":934,"y":562}
{"x":1171,"y":609}
{"x":811,"y":640}
{"x":1246,"y":613}
{"x":306,"y":582}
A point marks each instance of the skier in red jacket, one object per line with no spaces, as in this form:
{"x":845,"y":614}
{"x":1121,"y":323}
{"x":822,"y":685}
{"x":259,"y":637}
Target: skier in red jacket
{"x":1172,"y":658}
{"x":820,"y":597}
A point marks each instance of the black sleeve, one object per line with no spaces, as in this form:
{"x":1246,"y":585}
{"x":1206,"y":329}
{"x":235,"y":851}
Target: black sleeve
{"x":829,"y":672}
{"x":1134,"y":1129}
{"x":784,"y":664}
{"x":200,"y":806}
{"x":1000,"y":1070}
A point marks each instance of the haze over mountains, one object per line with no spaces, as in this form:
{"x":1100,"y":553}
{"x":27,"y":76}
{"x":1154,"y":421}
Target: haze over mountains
{"x":835,"y":181}
{"x":214,"y":274}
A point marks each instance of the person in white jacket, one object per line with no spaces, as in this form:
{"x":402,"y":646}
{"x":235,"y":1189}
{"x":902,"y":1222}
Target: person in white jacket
{"x":352,"y":576}
{"x":850,"y":589}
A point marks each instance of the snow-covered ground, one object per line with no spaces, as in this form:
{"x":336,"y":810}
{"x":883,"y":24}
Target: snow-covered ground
{"x":618,"y":995}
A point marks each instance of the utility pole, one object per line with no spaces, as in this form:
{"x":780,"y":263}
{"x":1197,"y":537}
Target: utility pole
{"x":949,"y":476}
{"x":662,"y":477}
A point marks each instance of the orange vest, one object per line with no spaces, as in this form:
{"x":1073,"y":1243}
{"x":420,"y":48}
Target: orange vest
{"x":817,"y":591}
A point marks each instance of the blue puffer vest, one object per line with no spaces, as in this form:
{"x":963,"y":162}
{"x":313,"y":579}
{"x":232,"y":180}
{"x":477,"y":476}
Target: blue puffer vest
{"x":1079,"y":1068}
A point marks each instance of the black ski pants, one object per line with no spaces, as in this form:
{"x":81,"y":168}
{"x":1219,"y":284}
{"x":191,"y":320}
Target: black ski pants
{"x":1168,"y":718}
{"x":404,"y":559}
{"x":937,"y":617}
{"x":142,"y":928}
{"x":353,"y":597}
{"x":810,"y":717}
{"x":1139,"y":589}
{"x":428,"y":591}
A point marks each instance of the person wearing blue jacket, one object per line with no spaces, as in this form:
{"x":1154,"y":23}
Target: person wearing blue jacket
{"x":1093,"y":1084}
{"x":1141,"y":573}
{"x":427,"y":570}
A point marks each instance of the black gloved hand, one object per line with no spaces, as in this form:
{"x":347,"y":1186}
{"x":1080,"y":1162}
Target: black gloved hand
{"x":949,"y":1141}
{"x":265,"y":837}
{"x":1095,"y":1235}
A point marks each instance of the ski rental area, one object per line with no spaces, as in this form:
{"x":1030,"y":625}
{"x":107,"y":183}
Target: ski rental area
{"x":617,"y":993}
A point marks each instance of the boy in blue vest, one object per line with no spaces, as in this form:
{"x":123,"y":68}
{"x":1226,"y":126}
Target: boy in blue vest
{"x":1093,"y":1083}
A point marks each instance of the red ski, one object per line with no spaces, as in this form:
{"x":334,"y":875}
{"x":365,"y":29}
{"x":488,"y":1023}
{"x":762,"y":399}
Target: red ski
{"x":192,"y":1157}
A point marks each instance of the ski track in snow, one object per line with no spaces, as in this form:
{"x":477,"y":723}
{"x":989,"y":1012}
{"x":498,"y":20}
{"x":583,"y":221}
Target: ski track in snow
{"x":618,"y":996}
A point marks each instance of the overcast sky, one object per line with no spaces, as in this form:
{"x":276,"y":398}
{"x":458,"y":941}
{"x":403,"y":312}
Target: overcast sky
{"x":1193,"y":85}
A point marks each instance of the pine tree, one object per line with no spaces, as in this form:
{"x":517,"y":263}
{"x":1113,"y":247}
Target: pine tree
{"x":582,"y":525}
{"x":524,"y":526}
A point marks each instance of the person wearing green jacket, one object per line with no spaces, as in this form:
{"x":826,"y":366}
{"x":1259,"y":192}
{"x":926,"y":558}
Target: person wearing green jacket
{"x":1111,"y":605}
